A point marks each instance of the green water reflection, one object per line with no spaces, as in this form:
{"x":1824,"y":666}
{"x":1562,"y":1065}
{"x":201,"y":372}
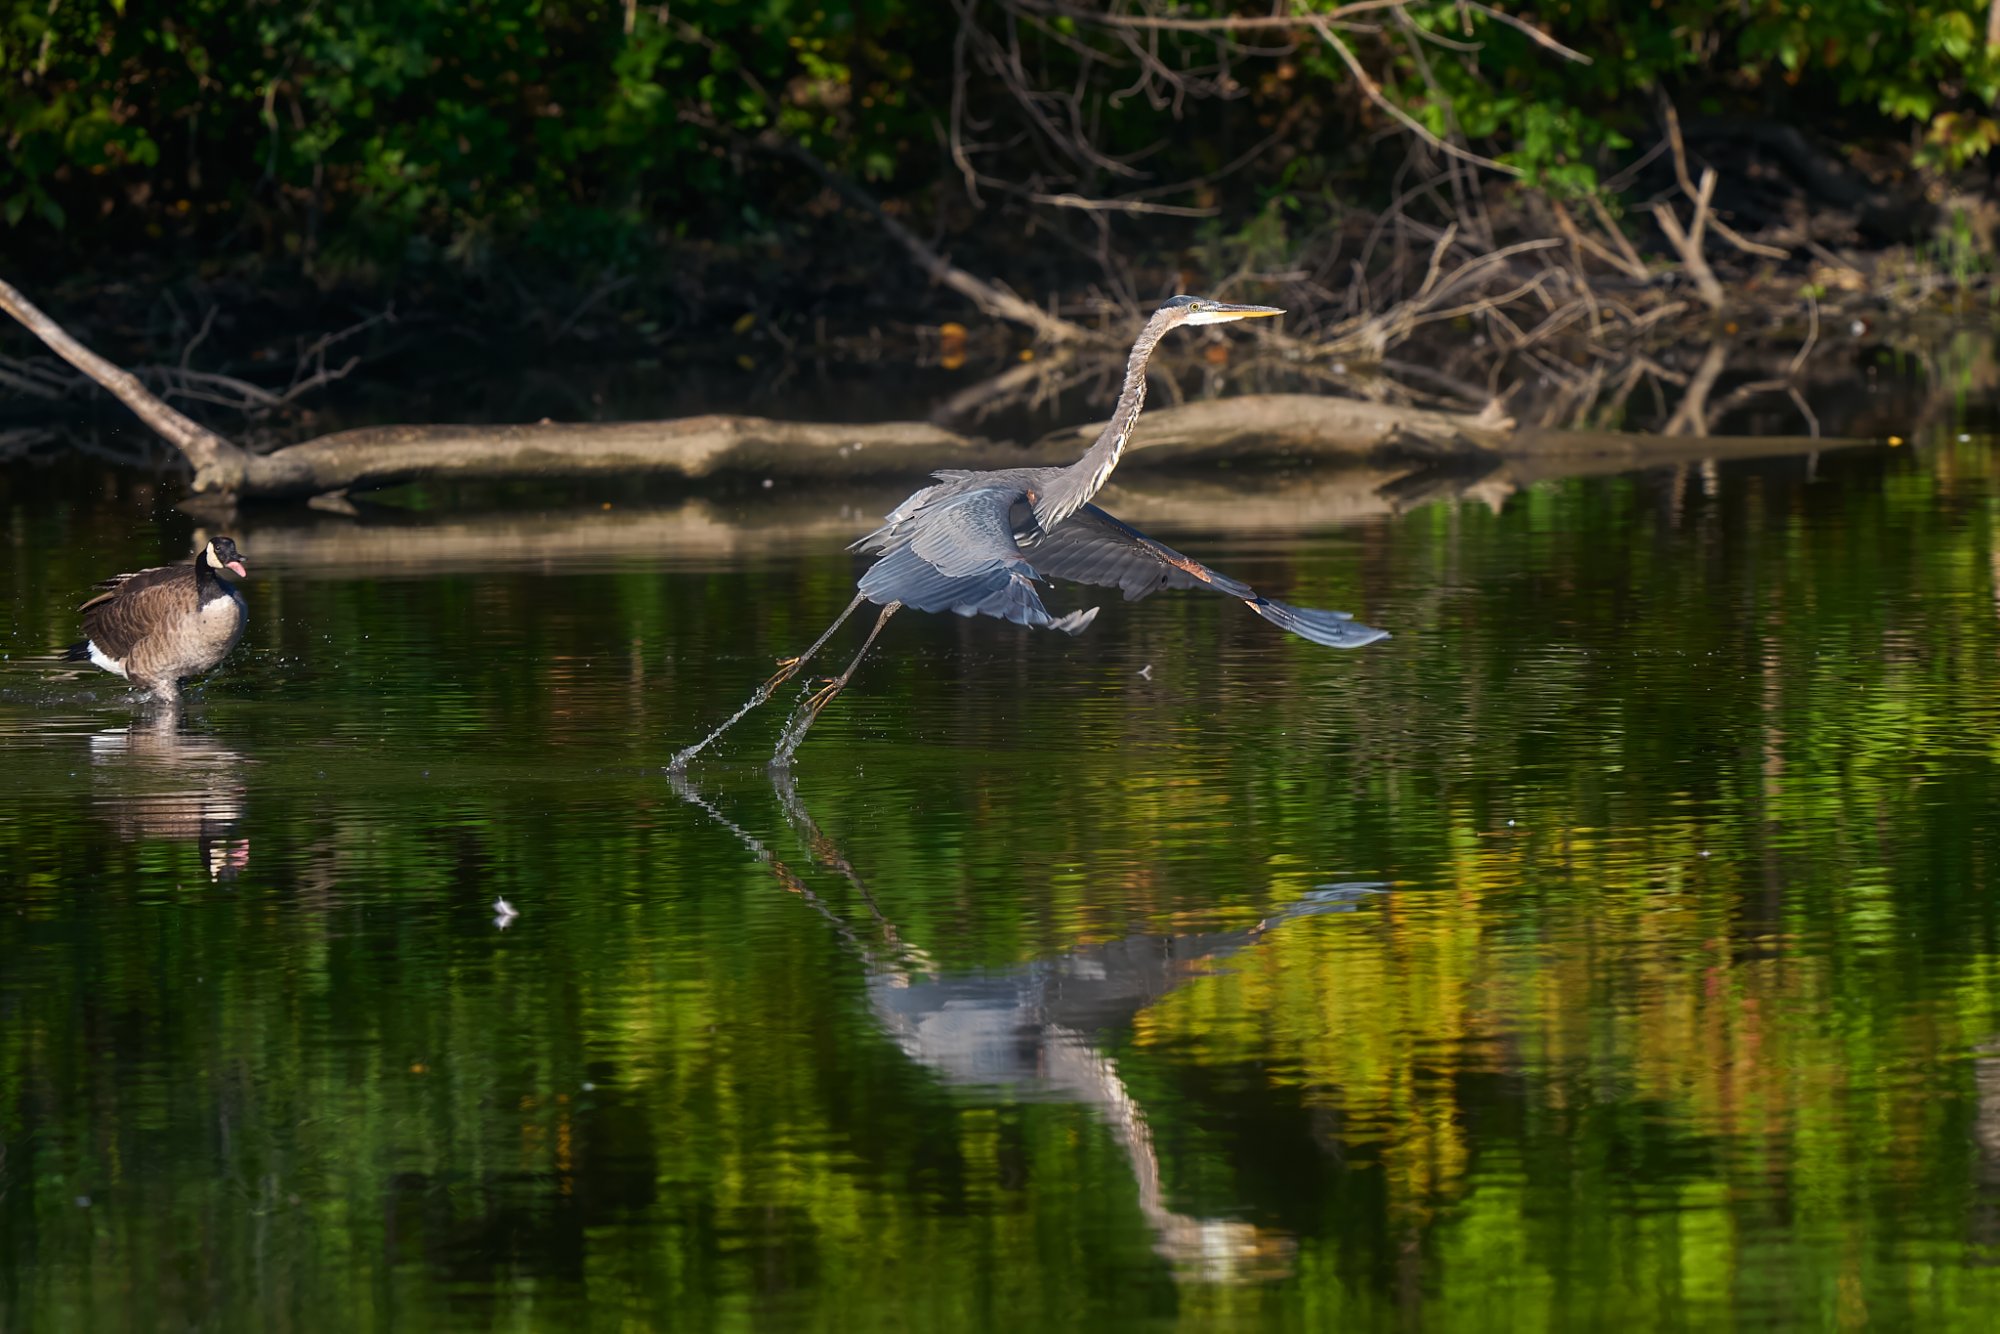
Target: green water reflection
{"x":1057,"y":992}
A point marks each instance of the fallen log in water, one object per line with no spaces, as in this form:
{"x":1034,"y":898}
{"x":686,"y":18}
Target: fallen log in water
{"x":1302,"y":426}
{"x":703,"y":531}
{"x":1299,"y":425}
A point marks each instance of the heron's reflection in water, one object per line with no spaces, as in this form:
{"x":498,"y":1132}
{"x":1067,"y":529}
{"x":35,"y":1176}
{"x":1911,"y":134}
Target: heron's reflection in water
{"x":1036,"y":1028}
{"x":152,"y":781}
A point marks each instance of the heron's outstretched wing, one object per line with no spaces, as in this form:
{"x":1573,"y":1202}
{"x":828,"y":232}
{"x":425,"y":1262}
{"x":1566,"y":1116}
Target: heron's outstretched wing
{"x":959,"y":554}
{"x":1092,"y":547}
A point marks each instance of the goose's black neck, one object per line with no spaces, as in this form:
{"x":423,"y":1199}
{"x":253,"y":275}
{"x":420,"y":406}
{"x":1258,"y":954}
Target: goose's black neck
{"x":208,"y":580}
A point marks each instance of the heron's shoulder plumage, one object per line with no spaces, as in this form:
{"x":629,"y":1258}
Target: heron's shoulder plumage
{"x":952,"y":547}
{"x":943,"y":501}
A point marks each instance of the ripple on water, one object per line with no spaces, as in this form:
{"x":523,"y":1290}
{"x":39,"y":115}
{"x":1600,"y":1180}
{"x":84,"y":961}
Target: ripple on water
{"x":1672,"y":991}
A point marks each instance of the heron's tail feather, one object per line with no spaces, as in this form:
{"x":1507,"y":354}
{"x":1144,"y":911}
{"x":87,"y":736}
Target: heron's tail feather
{"x":1075,"y":623}
{"x":1007,"y":594}
{"x":1335,"y":629}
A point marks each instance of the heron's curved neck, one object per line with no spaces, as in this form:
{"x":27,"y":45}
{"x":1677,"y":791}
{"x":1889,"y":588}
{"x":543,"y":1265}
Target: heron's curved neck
{"x":1082,"y":479}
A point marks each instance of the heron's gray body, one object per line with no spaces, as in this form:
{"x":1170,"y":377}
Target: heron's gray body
{"x":962,"y":546}
{"x":973,"y":544}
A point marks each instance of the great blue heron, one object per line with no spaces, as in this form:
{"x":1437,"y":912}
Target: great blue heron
{"x":976,"y":542}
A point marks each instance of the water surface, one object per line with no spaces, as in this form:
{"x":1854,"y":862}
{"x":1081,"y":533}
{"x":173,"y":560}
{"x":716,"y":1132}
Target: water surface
{"x":1616,"y":944}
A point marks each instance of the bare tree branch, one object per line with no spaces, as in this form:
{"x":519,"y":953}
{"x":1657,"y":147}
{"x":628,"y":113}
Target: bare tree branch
{"x":1688,"y":188}
{"x":1220,"y":23}
{"x":1529,"y":30}
{"x":1324,"y":27}
{"x":218,"y":464}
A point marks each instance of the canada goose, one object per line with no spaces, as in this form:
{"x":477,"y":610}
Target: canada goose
{"x":158,"y":627}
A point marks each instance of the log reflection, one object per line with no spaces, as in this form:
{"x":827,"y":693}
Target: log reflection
{"x":717,"y":529}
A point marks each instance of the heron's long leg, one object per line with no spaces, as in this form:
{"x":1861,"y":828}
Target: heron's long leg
{"x":787,"y":669}
{"x":808,"y":713}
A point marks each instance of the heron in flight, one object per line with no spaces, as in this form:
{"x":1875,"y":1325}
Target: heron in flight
{"x":977,"y":542}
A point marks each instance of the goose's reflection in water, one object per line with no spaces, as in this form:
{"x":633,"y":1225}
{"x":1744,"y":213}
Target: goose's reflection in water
{"x":1036,"y":1029}
{"x":152,"y":781}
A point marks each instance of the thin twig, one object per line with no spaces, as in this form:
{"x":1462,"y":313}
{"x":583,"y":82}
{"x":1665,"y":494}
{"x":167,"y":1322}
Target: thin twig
{"x":1805,"y":410}
{"x":1812,"y":337}
{"x":33,"y":381}
{"x":1529,"y":30}
{"x":1688,"y":188}
{"x":1631,"y":269}
{"x":1687,"y":243}
{"x":1077,"y":201}
{"x":597,"y":294}
{"x":218,"y":464}
{"x":1633,"y":264}
{"x":200,"y":335}
{"x":991,"y":299}
{"x":1373,"y":91}
{"x":1691,"y":415}
{"x":1220,"y":23}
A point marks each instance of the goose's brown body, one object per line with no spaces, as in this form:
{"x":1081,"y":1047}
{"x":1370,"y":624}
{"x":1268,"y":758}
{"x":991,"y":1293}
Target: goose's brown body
{"x":158,"y":627}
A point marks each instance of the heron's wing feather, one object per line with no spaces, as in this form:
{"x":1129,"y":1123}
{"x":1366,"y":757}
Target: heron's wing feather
{"x":969,"y":533}
{"x":1005,"y":591}
{"x":1092,"y":547}
{"x":959,"y":555}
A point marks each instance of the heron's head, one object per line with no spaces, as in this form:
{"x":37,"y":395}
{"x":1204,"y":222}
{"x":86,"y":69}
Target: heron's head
{"x":221,"y":554}
{"x":1200,"y":310}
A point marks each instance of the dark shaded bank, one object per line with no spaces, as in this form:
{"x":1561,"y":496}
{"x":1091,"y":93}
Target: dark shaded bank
{"x":1296,"y":427}
{"x":1539,"y":215}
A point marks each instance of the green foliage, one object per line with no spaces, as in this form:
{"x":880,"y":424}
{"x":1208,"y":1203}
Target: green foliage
{"x":417,"y":117}
{"x":1556,"y":119}
{"x":582,"y":124}
{"x":1926,"y":63}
